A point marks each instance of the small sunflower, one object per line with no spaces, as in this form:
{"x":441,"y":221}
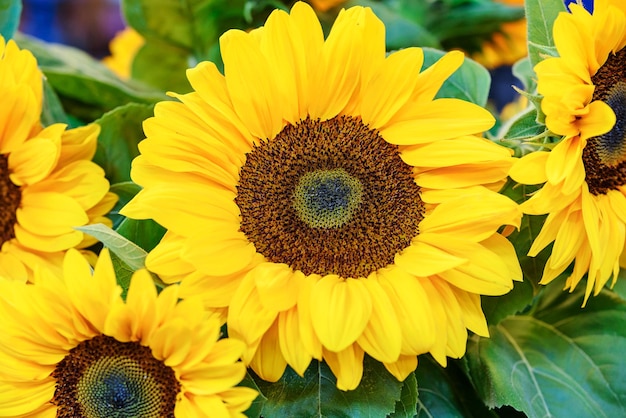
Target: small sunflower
{"x":48,"y":185}
{"x":321,"y":197}
{"x":584,"y":193}
{"x":325,"y":5}
{"x":72,"y":347}
{"x":506,"y":46}
{"x":124,"y":47}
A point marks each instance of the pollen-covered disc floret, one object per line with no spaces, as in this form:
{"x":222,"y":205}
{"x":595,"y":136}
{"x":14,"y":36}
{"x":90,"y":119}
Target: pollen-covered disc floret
{"x":72,"y":347}
{"x":338,"y":207}
{"x":584,"y":193}
{"x":48,"y":184}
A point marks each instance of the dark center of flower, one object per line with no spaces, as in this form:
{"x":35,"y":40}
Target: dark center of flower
{"x":105,"y":378}
{"x":329,"y":197}
{"x":604,"y":156}
{"x":10,"y":198}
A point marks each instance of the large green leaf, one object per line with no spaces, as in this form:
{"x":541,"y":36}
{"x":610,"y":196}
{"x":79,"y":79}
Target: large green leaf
{"x":85,"y":86}
{"x":540,"y":15}
{"x":117,"y":144}
{"x":191,"y":25}
{"x":316,"y":394}
{"x":128,"y":252}
{"x":471,"y":82}
{"x":406,"y":407}
{"x":10,"y":11}
{"x":446,"y":392}
{"x":560,"y":361}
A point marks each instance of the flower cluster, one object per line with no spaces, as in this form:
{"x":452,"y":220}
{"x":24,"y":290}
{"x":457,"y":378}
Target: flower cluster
{"x":311,"y":199}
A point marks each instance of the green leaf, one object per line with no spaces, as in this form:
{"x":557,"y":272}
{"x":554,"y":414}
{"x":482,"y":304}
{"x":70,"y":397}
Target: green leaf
{"x":523,"y":70}
{"x":620,"y":286}
{"x":316,"y":394}
{"x":406,"y":407}
{"x":540,"y":15}
{"x":170,"y":72}
{"x":123,"y":273}
{"x":52,"y":110}
{"x":401,"y":30}
{"x":146,"y":233}
{"x":125,"y":191}
{"x":560,"y":361}
{"x":257,"y":405}
{"x":190,"y":25}
{"x":128,"y":252}
{"x":446,"y":392}
{"x":470,"y":82}
{"x":10,"y":12}
{"x":117,"y":144}
{"x":85,"y":86}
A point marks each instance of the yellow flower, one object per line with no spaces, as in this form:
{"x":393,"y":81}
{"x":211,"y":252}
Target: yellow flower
{"x":506,"y":46}
{"x":48,"y":185}
{"x":321,"y":197}
{"x":72,"y":347}
{"x":585,"y":174}
{"x":124,"y":47}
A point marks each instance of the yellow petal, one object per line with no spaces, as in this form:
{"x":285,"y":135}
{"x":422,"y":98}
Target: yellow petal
{"x":268,"y":362}
{"x":391,"y":86}
{"x":277,"y":284}
{"x":439,"y":119}
{"x":250,"y":84}
{"x":340,"y":311}
{"x":531,"y":169}
{"x":422,"y":259}
{"x":403,"y":367}
{"x":382,"y":337}
{"x":413,"y":310}
{"x":246,"y":313}
{"x":36,"y":158}
{"x":346,"y":365}
{"x":291,"y":345}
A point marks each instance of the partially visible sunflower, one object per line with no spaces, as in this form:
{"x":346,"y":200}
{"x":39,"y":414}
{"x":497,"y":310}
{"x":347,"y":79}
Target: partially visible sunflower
{"x":506,"y":46}
{"x":321,"y":197}
{"x":48,"y":185}
{"x":584,"y":193}
{"x":325,"y":5}
{"x":124,"y":47}
{"x":71,"y":347}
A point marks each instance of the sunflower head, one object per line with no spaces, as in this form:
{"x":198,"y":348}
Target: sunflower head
{"x":584,"y":91}
{"x":338,"y":207}
{"x":124,"y":46}
{"x":48,"y":185}
{"x":72,"y":347}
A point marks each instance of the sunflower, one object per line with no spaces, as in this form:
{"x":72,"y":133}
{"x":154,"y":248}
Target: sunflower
{"x":48,"y":185}
{"x":124,"y":47}
{"x":325,"y":5}
{"x":506,"y":46}
{"x":72,"y":347}
{"x":585,"y":174}
{"x":321,"y":197}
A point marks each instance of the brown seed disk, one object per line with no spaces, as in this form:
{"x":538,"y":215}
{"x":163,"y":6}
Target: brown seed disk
{"x":389,"y":209}
{"x":10,"y":198}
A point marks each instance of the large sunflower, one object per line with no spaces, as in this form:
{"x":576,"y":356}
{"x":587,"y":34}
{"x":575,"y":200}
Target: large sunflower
{"x":72,"y":347}
{"x":48,"y":185}
{"x":585,"y":174}
{"x":320,"y":194}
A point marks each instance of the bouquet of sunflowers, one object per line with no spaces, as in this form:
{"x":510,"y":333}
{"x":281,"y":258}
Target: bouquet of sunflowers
{"x":285,"y":209}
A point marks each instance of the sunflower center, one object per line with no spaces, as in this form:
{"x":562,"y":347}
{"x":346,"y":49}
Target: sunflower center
{"x":604,"y":156}
{"x":10,"y":198}
{"x":103,"y":377}
{"x":329,"y":197}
